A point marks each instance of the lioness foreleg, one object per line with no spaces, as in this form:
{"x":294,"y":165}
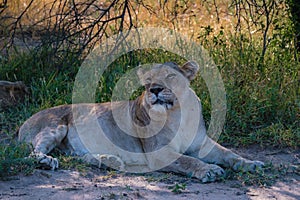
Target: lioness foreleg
{"x":44,"y":142}
{"x":212,"y":152}
{"x":106,"y":160}
{"x":196,"y":168}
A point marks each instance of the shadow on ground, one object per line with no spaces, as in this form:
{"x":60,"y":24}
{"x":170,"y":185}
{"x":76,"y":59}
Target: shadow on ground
{"x":100,"y":184}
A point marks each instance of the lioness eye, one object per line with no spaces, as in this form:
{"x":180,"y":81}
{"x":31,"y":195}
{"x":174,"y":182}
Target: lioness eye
{"x":171,"y":76}
{"x":148,"y":80}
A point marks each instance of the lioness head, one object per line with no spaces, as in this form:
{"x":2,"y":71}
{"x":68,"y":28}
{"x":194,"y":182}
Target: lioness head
{"x":165,"y":83}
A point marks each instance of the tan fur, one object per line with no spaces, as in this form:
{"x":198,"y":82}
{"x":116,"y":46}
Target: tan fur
{"x":165,"y":115}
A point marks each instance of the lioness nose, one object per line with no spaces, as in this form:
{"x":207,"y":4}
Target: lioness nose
{"x":156,"y":90}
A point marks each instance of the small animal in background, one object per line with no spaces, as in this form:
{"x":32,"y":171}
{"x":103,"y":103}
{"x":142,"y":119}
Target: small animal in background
{"x":12,"y":93}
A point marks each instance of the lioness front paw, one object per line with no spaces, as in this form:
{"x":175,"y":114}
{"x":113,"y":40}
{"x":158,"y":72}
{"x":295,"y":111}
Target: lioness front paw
{"x":113,"y":162}
{"x":50,"y":162}
{"x":248,"y":165}
{"x":45,"y":160}
{"x":209,"y":173}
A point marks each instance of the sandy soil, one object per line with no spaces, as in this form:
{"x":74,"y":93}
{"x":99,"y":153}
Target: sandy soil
{"x":99,"y":184}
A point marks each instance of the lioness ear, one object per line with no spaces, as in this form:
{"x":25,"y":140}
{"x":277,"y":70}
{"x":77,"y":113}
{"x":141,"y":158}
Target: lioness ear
{"x":190,"y":69}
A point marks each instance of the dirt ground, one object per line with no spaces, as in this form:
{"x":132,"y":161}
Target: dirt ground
{"x":99,"y":184}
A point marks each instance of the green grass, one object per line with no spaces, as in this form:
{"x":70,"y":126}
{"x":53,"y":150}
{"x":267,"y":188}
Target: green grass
{"x":262,"y":96}
{"x":265,"y":177}
{"x":12,"y":160}
{"x":177,"y":188}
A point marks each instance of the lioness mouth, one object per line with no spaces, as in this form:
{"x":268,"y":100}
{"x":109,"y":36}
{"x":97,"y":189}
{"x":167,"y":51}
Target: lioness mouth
{"x":158,"y":101}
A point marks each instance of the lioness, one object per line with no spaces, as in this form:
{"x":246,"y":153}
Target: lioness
{"x":161,"y":118}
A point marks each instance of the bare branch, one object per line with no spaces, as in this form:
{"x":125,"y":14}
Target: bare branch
{"x":3,"y":6}
{"x":72,"y":26}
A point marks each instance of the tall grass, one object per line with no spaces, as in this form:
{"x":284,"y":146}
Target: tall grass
{"x":261,"y":97}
